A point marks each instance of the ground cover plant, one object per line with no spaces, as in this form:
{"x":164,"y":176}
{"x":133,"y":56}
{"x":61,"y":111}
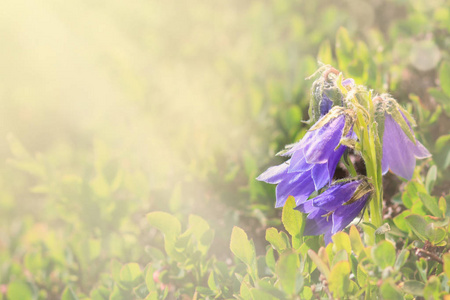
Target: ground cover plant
{"x":136,"y":139}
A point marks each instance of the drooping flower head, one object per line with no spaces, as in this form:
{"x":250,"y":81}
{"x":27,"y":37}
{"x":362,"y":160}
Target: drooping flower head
{"x":313,"y":160}
{"x":400,"y":147}
{"x":334,"y":209}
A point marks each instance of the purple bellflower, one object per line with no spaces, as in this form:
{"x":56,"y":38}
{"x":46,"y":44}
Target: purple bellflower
{"x":334,"y":209}
{"x":399,"y":152}
{"x":313,"y":160}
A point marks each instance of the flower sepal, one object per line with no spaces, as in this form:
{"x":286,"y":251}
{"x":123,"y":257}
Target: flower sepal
{"x":363,"y":189}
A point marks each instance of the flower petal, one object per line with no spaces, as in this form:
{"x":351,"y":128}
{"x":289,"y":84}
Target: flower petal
{"x":316,"y":223}
{"x":384,"y":163}
{"x":398,"y":150}
{"x":298,"y":163}
{"x":348,"y":81}
{"x":298,"y":185}
{"x":345,"y":214}
{"x":325,"y":139}
{"x":304,"y":142}
{"x":420,"y":151}
{"x":334,"y":160}
{"x":335,"y":196}
{"x":275,"y":174}
{"x":320,"y":175}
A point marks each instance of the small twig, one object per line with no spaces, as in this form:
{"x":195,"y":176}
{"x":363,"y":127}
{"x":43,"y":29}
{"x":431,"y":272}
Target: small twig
{"x":327,"y":291}
{"x":423,"y":253}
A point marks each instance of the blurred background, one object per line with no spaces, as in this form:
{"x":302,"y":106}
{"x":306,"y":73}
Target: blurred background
{"x":112,"y":109}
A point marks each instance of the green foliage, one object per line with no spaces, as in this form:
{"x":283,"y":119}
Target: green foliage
{"x":132,"y":148}
{"x":244,"y":249}
{"x":293,"y":222}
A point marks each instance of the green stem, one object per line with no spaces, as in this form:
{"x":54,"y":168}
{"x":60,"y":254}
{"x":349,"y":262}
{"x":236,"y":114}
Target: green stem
{"x":349,"y":165}
{"x":373,"y":167}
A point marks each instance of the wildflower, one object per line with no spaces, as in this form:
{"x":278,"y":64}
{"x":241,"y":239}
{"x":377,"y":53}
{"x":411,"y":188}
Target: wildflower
{"x":334,"y":209}
{"x":399,"y":151}
{"x":314,"y":159}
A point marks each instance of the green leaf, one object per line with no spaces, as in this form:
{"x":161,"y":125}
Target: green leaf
{"x":341,"y":241}
{"x":244,"y":249}
{"x":293,"y":222}
{"x":446,"y":259}
{"x":341,"y":255}
{"x":432,"y":288}
{"x":323,"y":268}
{"x":431,"y":204}
{"x":390,"y":291}
{"x":270,"y":259}
{"x":339,"y":281}
{"x":19,"y":290}
{"x":261,"y":295}
{"x":361,"y":275}
{"x":212,"y":281}
{"x":241,"y":247}
{"x":307,"y":293}
{"x":116,"y":294}
{"x":153,"y":295}
{"x":411,"y":194}
{"x":244,"y":291}
{"x":275,"y":239}
{"x":400,"y":221}
{"x":413,"y":287}
{"x":141,"y":291}
{"x":422,"y":268}
{"x":401,"y":259}
{"x":384,"y":254}
{"x":166,"y":223}
{"x":441,"y":142}
{"x":444,"y":77}
{"x":198,"y":226}
{"x":418,"y":225}
{"x":201,"y":232}
{"x":431,"y":178}
{"x":286,"y":269}
{"x":130,"y":273}
{"x":205,"y":291}
{"x":170,"y":227}
{"x":355,"y":240}
{"x":442,"y":206}
{"x":69,"y":294}
{"x":323,"y":254}
{"x":435,"y":234}
{"x":149,"y":278}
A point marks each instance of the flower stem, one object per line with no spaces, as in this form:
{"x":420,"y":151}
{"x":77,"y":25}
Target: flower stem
{"x":373,"y":167}
{"x":368,"y":135}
